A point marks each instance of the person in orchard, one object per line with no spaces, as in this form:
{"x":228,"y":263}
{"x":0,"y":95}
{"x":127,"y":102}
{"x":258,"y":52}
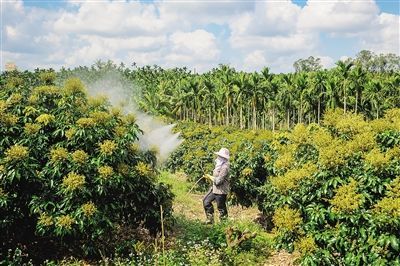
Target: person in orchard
{"x":220,"y":187}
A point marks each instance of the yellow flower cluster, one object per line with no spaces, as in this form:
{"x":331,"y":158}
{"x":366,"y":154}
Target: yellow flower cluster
{"x":134,"y":148}
{"x":2,"y":169}
{"x":393,"y":153}
{"x":291,"y":178}
{"x":247,"y":172}
{"x":345,"y":123}
{"x":80,"y":157}
{"x":70,"y":133}
{"x":98,"y":101}
{"x":377,"y":159}
{"x":333,"y":154}
{"x":116,"y":111}
{"x":300,"y":134}
{"x":123,"y":169}
{"x":361,"y":142}
{"x":305,"y":245}
{"x":31,"y":128}
{"x":65,"y":221}
{"x":321,"y":137}
{"x":143,"y":169}
{"x":16,"y":153}
{"x":45,"y":119}
{"x":14,"y":98}
{"x":105,"y":171}
{"x":390,"y":204}
{"x":9,"y":119}
{"x":107,"y":147}
{"x":58,"y":154}
{"x":380,"y":125}
{"x":33,"y":99}
{"x":100,"y":117}
{"x":393,"y":115}
{"x":86,"y":122}
{"x":3,"y":106}
{"x":346,"y":198}
{"x":30,"y":110}
{"x":120,"y":131}
{"x":73,"y":181}
{"x":74,"y":86}
{"x":45,"y":90}
{"x":351,"y":124}
{"x":45,"y":220}
{"x":284,"y":161}
{"x":286,"y":219}
{"x":88,"y":209}
{"x":129,"y":119}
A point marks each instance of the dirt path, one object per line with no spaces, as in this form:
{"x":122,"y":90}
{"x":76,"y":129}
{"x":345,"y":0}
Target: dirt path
{"x":190,"y":206}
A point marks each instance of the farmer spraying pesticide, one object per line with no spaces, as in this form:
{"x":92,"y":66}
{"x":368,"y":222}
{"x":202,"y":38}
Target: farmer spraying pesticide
{"x":220,"y":187}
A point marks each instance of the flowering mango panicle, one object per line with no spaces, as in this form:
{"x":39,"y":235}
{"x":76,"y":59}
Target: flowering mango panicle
{"x":247,"y":172}
{"x":97,"y":101}
{"x":32,"y":128}
{"x":284,"y":161}
{"x":286,"y":219}
{"x":88,"y":209}
{"x":45,"y":220}
{"x":14,"y":98}
{"x":389,"y":206}
{"x":291,"y":179}
{"x":107,"y":147}
{"x":361,"y":142}
{"x":100,"y":117}
{"x":129,"y":119}
{"x":120,"y":131}
{"x":377,"y":159}
{"x":86,"y":122}
{"x":105,"y":171}
{"x":143,"y":169}
{"x":333,"y":154}
{"x":9,"y":119}
{"x":45,"y":119}
{"x":300,"y":134}
{"x":346,"y":198}
{"x":74,"y":86}
{"x":65,"y":221}
{"x":45,"y":90}
{"x":69,"y":134}
{"x":58,"y":154}
{"x":305,"y":245}
{"x":80,"y":157}
{"x":73,"y":181}
{"x":16,"y":153}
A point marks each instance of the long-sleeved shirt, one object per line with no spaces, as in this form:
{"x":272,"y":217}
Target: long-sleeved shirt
{"x":221,"y":179}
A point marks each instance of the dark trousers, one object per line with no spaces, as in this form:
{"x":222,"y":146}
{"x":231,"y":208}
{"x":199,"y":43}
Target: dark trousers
{"x":221,"y":204}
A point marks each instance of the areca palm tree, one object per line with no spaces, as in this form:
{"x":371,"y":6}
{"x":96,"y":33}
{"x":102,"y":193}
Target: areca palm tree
{"x":343,"y":69}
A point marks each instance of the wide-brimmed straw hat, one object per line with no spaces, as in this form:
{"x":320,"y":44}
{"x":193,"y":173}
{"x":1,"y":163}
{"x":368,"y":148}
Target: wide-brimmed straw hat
{"x":223,"y":152}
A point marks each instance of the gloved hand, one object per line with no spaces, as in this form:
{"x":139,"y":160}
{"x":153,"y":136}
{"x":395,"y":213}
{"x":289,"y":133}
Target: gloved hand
{"x":209,"y":177}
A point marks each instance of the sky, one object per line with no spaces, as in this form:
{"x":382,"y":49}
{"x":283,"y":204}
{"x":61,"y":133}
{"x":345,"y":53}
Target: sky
{"x":200,"y":35}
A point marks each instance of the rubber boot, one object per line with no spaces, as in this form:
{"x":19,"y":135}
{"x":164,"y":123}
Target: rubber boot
{"x":210,"y":218}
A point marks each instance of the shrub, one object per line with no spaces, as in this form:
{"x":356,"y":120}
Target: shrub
{"x":67,"y":180}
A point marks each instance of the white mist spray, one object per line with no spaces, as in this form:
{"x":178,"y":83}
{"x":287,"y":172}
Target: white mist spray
{"x":155,"y":133}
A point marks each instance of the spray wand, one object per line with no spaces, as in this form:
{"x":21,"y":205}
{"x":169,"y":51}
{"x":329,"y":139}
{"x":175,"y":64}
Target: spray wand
{"x":203,"y":176}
